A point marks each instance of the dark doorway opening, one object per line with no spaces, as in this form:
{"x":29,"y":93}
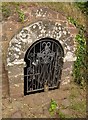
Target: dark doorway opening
{"x":44,"y":62}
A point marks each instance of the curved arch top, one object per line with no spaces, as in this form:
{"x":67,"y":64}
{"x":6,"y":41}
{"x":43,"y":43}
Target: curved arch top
{"x":32,"y":33}
{"x":43,"y":40}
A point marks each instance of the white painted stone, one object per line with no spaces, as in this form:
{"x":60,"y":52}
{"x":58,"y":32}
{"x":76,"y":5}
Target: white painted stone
{"x":9,"y":64}
{"x":34,"y":26}
{"x":68,"y":47}
{"x":19,"y":43}
{"x":16,"y":45}
{"x":56,"y":23}
{"x":43,"y":31}
{"x":9,"y":53}
{"x":16,"y":76}
{"x":17,"y":62}
{"x":40,"y":27}
{"x":41,"y":10}
{"x":19,"y":53}
{"x":44,"y":15}
{"x":8,"y":60}
{"x":61,"y":42}
{"x":14,"y":40}
{"x":40,"y":35}
{"x":38,"y":13}
{"x":10,"y":28}
{"x":17,"y":56}
{"x":12,"y":48}
{"x":16,"y":85}
{"x":25,"y":64}
{"x":65,"y":32}
{"x":17,"y":49}
{"x":69,"y":57}
{"x":54,"y":35}
{"x":59,"y":28}
{"x":66,"y":82}
{"x":29,"y":41}
{"x":9,"y":72}
{"x":23,"y":35}
{"x":60,"y":33}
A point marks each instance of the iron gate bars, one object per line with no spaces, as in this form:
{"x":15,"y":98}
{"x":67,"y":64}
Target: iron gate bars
{"x":44,"y":62}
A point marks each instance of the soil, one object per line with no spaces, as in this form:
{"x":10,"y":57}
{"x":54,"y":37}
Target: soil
{"x":37,"y":105}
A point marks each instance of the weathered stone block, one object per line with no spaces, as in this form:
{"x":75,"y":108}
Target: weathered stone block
{"x":16,"y":79}
{"x":16,"y":70}
{"x":68,"y":65}
{"x":17,"y":90}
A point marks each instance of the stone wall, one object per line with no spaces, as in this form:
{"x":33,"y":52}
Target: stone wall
{"x":17,"y":38}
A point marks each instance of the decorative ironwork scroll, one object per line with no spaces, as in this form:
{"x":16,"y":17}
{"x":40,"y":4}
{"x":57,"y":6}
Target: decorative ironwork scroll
{"x":44,"y":61}
{"x":47,"y":55}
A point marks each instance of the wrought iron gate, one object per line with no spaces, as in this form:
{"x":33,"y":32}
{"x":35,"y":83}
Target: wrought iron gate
{"x":44,"y":60}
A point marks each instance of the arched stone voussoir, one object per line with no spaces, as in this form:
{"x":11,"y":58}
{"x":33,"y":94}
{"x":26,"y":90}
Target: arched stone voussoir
{"x":40,"y":29}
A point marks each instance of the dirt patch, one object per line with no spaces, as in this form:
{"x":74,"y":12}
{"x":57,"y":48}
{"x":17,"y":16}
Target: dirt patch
{"x":37,"y":105}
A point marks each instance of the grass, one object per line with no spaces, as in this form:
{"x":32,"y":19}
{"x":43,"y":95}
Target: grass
{"x":73,"y":93}
{"x":78,"y":103}
{"x":61,"y":115}
{"x":21,"y":15}
{"x":6,"y":11}
{"x":9,"y":9}
{"x":78,"y":106}
{"x":68,"y":9}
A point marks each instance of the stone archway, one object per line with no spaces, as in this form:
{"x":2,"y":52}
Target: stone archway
{"x":20,"y":43}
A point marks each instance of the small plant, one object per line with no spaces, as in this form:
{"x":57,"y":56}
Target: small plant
{"x":61,"y":115}
{"x":21,"y":15}
{"x":78,"y":106}
{"x":11,"y":8}
{"x":6,"y":11}
{"x":53,"y":107}
{"x":80,"y":65}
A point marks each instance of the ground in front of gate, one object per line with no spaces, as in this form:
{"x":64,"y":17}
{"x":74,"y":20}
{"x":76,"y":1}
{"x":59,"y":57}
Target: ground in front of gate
{"x":70,"y":100}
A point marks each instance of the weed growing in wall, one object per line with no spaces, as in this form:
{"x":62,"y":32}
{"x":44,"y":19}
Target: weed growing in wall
{"x":79,"y":71}
{"x":83,"y":6}
{"x":21,"y":15}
